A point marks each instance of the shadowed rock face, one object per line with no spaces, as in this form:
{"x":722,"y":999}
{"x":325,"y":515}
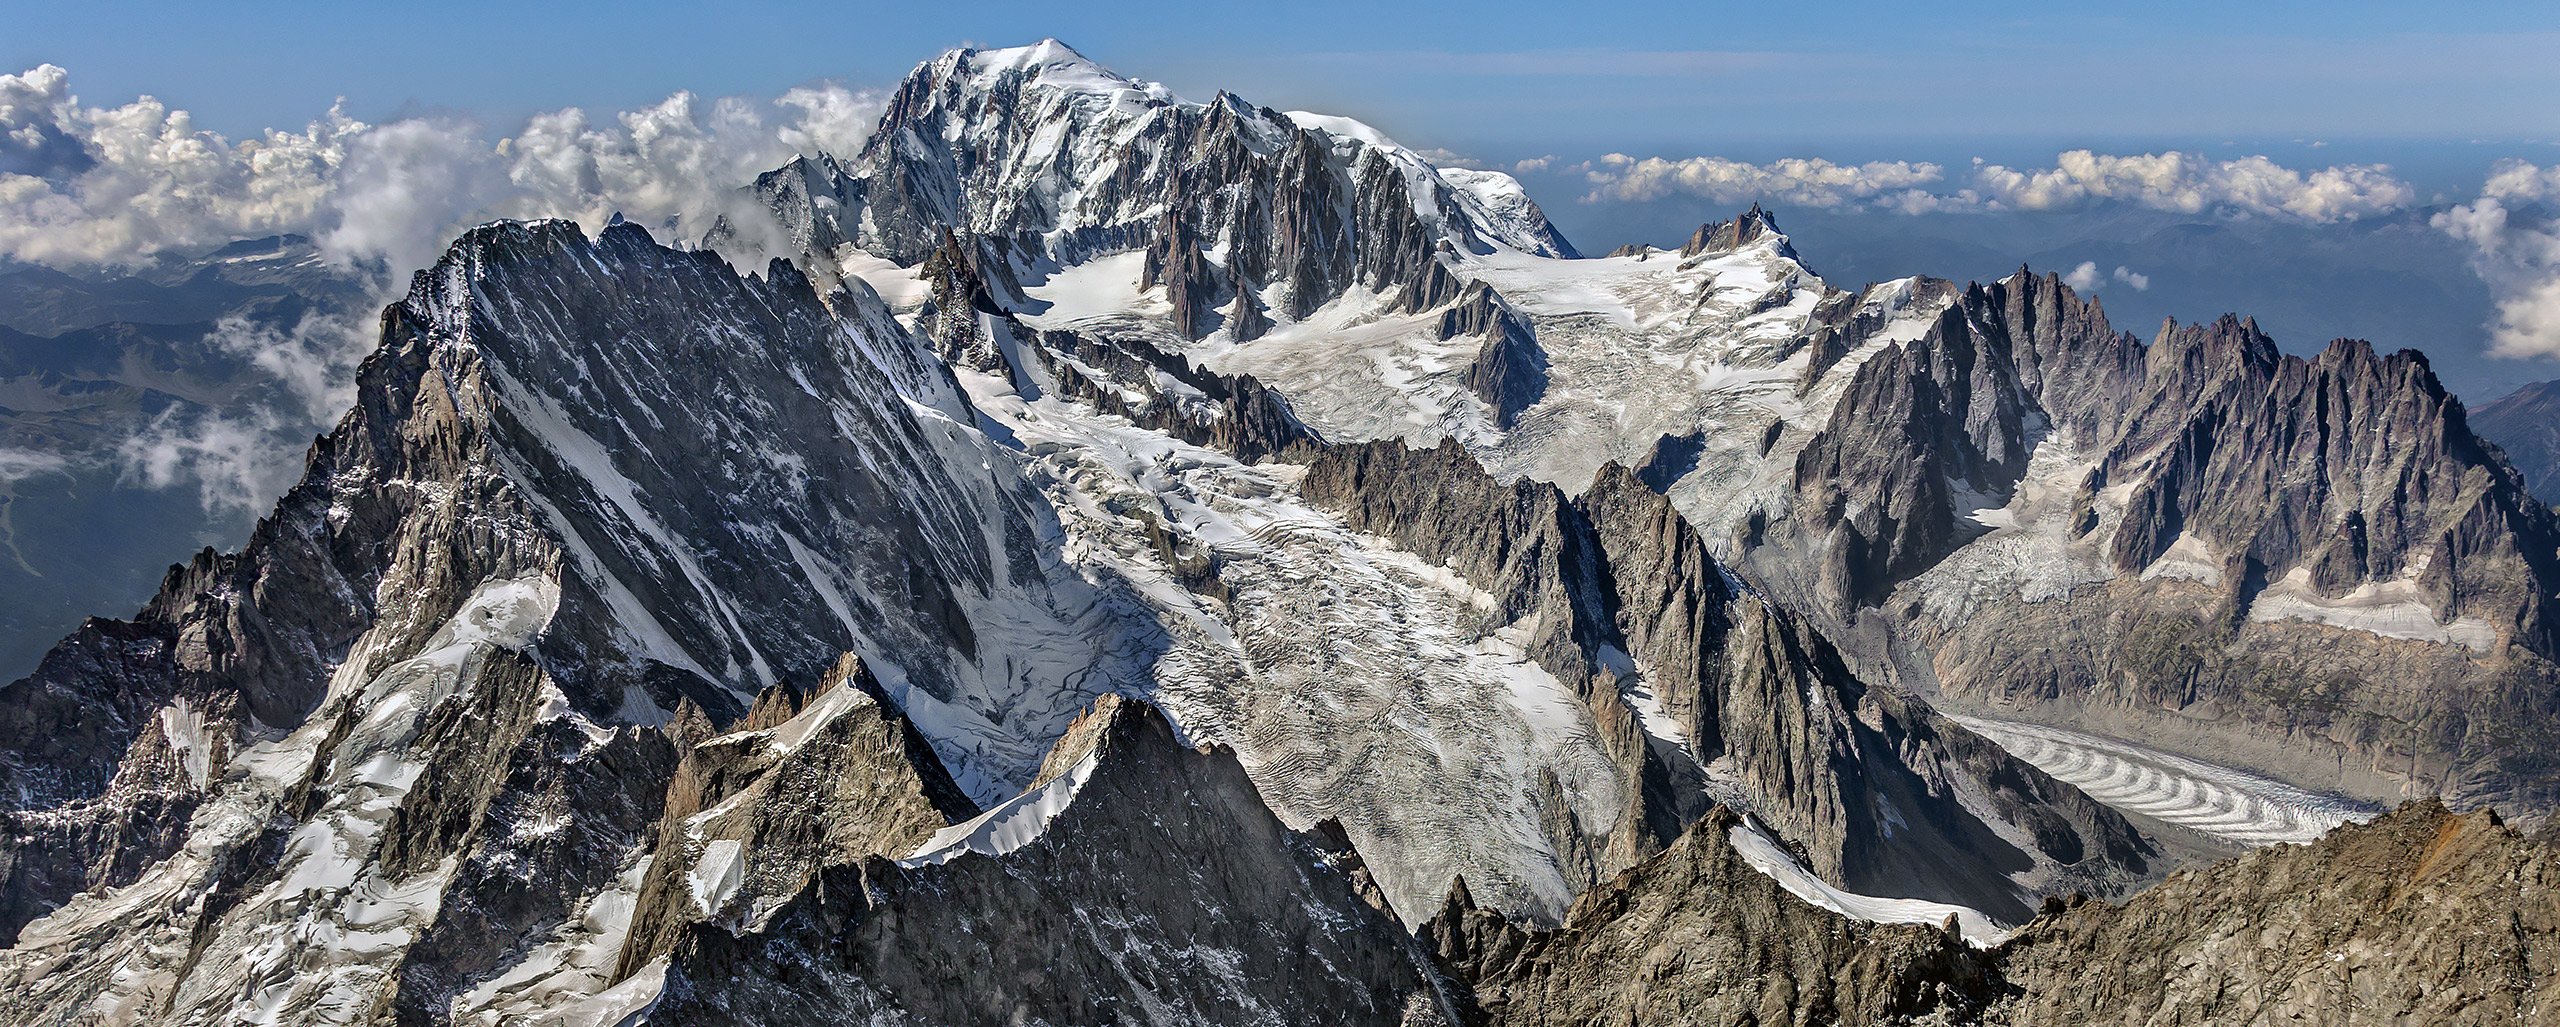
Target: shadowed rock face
{"x":390,"y":746}
{"x":2309,"y":566}
{"x":1163,"y":891}
{"x":1509,"y":372}
{"x":2424,"y":916}
{"x":2526,"y":424}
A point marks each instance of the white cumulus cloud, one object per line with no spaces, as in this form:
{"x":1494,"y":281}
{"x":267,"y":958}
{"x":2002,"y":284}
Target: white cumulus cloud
{"x":1793,"y":181}
{"x":2515,"y":237}
{"x":2088,"y":278}
{"x":2186,"y":183}
{"x":2189,"y":183}
{"x":89,"y":185}
{"x":85,"y":185}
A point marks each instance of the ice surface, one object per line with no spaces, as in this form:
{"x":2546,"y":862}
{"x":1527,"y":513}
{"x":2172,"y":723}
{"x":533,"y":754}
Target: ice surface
{"x":2391,"y":609}
{"x":715,"y":877}
{"x":1354,"y":680}
{"x":2220,"y":801}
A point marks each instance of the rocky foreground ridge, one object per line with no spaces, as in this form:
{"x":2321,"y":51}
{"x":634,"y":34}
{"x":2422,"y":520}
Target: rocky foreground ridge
{"x":2423,"y":916}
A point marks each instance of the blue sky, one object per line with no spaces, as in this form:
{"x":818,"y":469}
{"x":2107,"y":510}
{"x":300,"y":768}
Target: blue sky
{"x":1506,"y":79}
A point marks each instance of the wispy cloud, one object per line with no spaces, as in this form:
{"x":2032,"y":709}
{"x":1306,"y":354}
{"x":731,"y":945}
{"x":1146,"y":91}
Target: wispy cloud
{"x":230,"y":458}
{"x":17,"y":465}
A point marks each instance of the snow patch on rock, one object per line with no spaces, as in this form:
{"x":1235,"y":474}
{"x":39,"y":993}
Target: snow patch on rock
{"x":1763,"y":852}
{"x":1007,"y":827}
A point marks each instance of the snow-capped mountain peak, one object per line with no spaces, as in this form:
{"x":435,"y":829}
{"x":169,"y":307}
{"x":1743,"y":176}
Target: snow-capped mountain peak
{"x":1070,"y":161}
{"x":1048,"y":64}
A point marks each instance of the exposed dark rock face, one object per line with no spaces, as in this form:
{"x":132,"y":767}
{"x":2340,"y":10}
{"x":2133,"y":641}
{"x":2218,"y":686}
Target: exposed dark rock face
{"x":1622,"y":589}
{"x":2526,"y":425}
{"x":1162,"y":892}
{"x":2291,"y":490}
{"x":1878,"y":485}
{"x":803,"y":194}
{"x":1237,"y":415}
{"x":1718,"y":237}
{"x":546,"y":827}
{"x":2352,"y":466}
{"x":387,"y":732}
{"x":1190,"y":282}
{"x":649,"y":352}
{"x":239,"y":638}
{"x":2422,"y":917}
{"x":1509,"y":372}
{"x":801,"y":783}
{"x":957,"y":297}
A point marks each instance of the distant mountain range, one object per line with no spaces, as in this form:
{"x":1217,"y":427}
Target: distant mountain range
{"x":1137,"y":560}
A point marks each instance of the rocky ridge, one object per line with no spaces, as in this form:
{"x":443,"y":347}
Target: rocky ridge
{"x":2213,"y":525}
{"x":2378,"y":923}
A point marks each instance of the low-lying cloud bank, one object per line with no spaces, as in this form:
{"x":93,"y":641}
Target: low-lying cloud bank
{"x":2175,"y":181}
{"x":105,"y":186}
